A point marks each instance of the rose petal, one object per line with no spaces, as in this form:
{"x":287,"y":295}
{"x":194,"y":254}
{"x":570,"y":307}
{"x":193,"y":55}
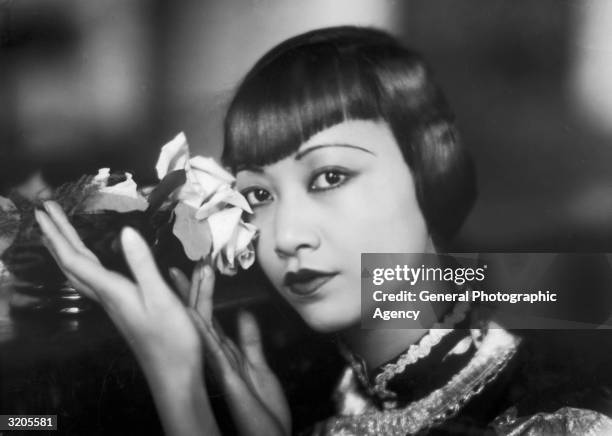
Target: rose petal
{"x":242,"y":237}
{"x":224,"y":266}
{"x":118,"y":203}
{"x":222,"y":227}
{"x":206,"y":182}
{"x":237,"y":246}
{"x":247,"y":257}
{"x":102,"y":177}
{"x":191,"y":194}
{"x":127,"y":188}
{"x":173,"y":156}
{"x":229,"y":250}
{"x":210,"y":166}
{"x":224,"y":195}
{"x":194,"y":234}
{"x":246,"y":233}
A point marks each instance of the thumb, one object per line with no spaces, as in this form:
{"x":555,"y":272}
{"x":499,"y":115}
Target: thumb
{"x":249,"y":336}
{"x":181,"y":283}
{"x":202,"y":288}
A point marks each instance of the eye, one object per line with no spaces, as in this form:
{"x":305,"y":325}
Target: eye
{"x":257,"y":196}
{"x":329,"y":178}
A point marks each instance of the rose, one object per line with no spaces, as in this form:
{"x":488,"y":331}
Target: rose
{"x":127,"y":188}
{"x":231,"y":240}
{"x":208,"y":214}
{"x":120,"y":197}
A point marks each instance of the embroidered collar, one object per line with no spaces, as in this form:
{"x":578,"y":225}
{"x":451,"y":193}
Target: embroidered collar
{"x":494,"y":351}
{"x":443,"y":338}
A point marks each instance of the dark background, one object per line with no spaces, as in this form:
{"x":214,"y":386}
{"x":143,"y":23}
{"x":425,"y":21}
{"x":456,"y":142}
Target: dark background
{"x":91,"y":84}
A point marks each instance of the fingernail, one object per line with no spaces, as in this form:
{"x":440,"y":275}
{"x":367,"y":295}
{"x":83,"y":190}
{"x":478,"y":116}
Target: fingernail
{"x":129,"y":235}
{"x":48,"y":205}
{"x":173,"y":271}
{"x":38,"y":215}
{"x":206,"y":271}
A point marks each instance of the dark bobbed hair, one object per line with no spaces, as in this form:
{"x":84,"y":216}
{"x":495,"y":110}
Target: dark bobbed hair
{"x":321,"y":78}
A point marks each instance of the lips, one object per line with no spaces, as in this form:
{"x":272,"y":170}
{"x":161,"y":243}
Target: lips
{"x":306,"y":282}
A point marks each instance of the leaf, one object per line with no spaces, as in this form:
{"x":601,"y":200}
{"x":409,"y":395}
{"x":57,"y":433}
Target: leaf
{"x":118,"y":203}
{"x":194,"y":234}
{"x":74,"y":196}
{"x":164,"y":189}
{"x":6,"y":205}
{"x":9,"y":223}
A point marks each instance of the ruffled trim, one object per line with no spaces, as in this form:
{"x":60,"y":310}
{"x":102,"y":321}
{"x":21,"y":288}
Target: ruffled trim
{"x":497,"y":349}
{"x":565,"y":421}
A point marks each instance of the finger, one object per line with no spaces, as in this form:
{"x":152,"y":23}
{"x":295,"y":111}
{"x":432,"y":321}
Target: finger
{"x":82,"y":288}
{"x":204,"y":292}
{"x":218,"y":328}
{"x":196,"y":279}
{"x":76,"y":283}
{"x":109,"y":286}
{"x":56,"y":213}
{"x":232,"y":352}
{"x":140,"y":260}
{"x":52,"y":237}
{"x":181,"y":283}
{"x":232,"y":357}
{"x":215,"y":352}
{"x":250,"y":339}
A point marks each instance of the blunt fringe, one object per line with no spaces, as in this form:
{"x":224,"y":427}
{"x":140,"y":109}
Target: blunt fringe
{"x":323,"y":77}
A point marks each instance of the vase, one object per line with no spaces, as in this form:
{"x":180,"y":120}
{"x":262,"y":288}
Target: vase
{"x":47,"y":300}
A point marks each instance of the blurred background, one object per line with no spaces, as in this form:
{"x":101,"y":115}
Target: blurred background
{"x":86,"y":84}
{"x":89,"y":84}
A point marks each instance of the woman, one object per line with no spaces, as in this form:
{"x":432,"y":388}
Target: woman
{"x":342,"y":144}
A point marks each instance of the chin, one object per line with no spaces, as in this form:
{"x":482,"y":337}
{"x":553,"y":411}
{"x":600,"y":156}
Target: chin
{"x":326,"y":321}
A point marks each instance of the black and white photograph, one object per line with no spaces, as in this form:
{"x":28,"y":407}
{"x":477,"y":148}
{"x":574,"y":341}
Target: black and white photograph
{"x":322,"y":217}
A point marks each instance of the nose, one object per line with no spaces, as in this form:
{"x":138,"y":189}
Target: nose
{"x":295,"y":228}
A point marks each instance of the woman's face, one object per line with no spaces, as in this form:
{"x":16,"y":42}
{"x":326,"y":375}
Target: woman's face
{"x":346,"y":191}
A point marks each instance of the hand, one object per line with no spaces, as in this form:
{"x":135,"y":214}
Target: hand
{"x":150,"y":316}
{"x":146,"y":312}
{"x":254,"y":394}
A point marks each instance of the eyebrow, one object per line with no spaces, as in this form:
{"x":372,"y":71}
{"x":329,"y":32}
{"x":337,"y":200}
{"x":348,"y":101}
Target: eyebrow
{"x":300,"y":154}
{"x":254,"y":169}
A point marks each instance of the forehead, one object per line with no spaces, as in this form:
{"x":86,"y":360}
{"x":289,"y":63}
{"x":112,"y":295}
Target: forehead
{"x":362,"y":133}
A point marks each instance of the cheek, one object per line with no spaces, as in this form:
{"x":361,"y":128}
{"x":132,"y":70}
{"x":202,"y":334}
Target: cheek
{"x":266,"y":255}
{"x":402,"y":227}
{"x":379,"y":216}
